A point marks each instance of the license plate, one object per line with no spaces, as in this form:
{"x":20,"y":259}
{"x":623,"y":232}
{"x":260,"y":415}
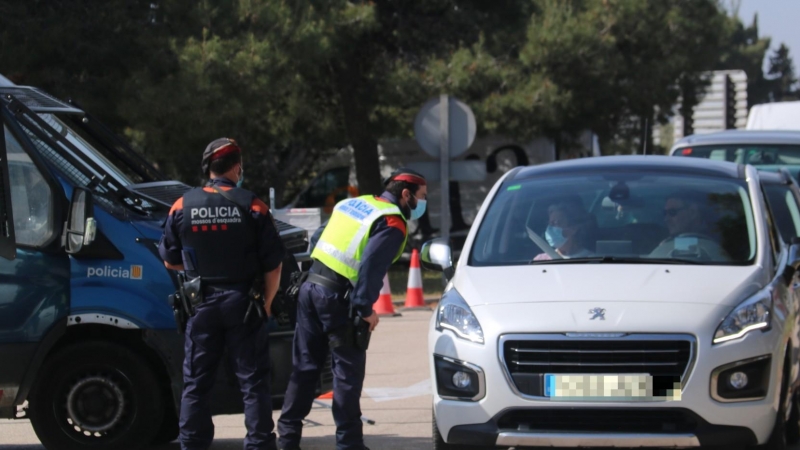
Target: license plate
{"x":598,"y":386}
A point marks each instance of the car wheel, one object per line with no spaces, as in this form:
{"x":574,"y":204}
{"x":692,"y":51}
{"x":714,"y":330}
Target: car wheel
{"x":95,"y":395}
{"x":777,"y":439}
{"x":440,"y":444}
{"x":793,"y":425}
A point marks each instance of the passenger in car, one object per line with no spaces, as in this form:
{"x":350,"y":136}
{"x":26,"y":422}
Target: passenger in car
{"x":690,"y":233}
{"x":568,"y":231}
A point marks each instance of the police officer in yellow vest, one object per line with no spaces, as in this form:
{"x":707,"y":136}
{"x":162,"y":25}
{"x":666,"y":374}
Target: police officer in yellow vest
{"x":363,"y":237}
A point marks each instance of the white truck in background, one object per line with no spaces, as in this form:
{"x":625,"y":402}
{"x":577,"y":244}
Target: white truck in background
{"x":774,"y":116}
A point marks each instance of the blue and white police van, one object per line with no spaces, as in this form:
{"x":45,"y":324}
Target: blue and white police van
{"x":89,"y":348}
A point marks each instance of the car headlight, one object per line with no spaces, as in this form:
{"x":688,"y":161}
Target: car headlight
{"x":753,"y":314}
{"x":454,"y":314}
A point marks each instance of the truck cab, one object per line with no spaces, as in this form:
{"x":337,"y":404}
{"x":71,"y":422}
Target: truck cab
{"x":89,"y":346}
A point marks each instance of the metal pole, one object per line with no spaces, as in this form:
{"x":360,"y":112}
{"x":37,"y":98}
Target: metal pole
{"x":444,"y":162}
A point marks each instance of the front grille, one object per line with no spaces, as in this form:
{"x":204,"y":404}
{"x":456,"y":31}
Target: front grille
{"x":611,"y":420}
{"x":527,"y":360}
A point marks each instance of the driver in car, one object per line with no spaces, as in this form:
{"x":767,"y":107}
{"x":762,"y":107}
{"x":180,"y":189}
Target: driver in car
{"x":567,"y":231}
{"x":685,"y":215}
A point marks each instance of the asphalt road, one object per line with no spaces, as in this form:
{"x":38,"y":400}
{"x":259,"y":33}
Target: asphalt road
{"x":396,"y":396}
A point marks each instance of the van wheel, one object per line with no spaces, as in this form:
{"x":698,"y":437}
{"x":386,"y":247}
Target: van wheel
{"x":95,"y":395}
{"x":440,"y":444}
{"x":169,"y":429}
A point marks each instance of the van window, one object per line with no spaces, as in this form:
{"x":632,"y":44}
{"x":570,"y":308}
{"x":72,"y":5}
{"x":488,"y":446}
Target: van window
{"x":31,"y":197}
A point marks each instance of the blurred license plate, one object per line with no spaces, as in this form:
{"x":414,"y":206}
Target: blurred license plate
{"x":598,"y":386}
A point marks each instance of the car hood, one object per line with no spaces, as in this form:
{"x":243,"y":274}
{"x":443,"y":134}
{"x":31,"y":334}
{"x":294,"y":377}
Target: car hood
{"x":715,"y":285}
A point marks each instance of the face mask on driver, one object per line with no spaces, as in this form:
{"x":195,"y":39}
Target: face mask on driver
{"x":555,"y":236}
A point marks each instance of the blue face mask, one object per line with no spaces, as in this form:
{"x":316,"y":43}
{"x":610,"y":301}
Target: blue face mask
{"x":555,"y":236}
{"x":241,"y":179}
{"x":417,"y":212}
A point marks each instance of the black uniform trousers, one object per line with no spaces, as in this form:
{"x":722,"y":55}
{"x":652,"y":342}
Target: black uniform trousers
{"x":319,"y":311}
{"x":219,"y":325}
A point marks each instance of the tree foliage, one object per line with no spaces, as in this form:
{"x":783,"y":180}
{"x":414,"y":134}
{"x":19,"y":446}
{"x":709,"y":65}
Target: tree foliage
{"x":293,"y":80}
{"x":782,"y":76}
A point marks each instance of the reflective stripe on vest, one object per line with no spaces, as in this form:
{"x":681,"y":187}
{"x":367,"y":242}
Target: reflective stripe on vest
{"x":345,"y":237}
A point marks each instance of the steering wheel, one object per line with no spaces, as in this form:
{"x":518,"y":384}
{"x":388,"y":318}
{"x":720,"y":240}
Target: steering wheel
{"x":547,"y":248}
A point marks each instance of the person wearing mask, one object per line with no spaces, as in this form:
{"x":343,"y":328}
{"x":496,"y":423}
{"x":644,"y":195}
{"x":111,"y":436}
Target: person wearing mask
{"x":224,"y":235}
{"x":363,"y":237}
{"x":567,"y":231}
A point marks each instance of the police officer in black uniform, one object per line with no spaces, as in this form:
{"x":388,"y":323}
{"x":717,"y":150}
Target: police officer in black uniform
{"x":226,"y":236}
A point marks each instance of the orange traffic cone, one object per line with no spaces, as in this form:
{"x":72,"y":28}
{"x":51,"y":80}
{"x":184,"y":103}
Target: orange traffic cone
{"x":384,"y":306}
{"x":414,"y":297}
{"x":326,"y":396}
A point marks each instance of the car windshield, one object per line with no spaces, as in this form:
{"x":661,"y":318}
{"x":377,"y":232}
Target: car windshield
{"x":618,"y":217}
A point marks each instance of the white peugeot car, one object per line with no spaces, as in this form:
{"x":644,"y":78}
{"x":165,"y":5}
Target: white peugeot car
{"x":618,"y":302}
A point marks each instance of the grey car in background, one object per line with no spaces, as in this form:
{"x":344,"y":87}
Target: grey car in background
{"x":765,"y":150}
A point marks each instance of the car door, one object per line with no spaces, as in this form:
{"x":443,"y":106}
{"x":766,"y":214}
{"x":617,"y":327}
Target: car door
{"x":34,"y":270}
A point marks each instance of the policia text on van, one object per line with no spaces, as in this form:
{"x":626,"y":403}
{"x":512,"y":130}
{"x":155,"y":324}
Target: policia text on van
{"x":95,"y":354}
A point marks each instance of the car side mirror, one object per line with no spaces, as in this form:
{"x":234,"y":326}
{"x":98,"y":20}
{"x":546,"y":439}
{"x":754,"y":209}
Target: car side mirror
{"x":81,"y":227}
{"x":437,"y":255}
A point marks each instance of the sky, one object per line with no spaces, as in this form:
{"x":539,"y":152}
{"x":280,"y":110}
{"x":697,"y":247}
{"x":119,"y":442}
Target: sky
{"x":777,"y":19}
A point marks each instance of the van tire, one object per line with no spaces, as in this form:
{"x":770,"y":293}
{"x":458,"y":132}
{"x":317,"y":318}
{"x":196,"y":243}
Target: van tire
{"x":440,"y":444}
{"x":95,"y":395}
{"x":169,"y":429}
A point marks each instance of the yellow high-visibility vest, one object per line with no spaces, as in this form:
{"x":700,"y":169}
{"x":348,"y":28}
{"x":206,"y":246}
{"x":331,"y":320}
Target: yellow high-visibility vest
{"x":345,"y":237}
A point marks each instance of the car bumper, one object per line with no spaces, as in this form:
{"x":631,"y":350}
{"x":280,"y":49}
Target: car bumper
{"x":492,"y":433}
{"x":716,"y":422}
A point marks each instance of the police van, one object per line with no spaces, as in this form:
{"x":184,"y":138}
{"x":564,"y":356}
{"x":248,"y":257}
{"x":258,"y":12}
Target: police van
{"x":89,"y":347}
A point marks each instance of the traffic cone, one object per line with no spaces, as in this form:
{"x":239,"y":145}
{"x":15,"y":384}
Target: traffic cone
{"x":384,"y":306}
{"x":326,"y":396}
{"x":414,"y":297}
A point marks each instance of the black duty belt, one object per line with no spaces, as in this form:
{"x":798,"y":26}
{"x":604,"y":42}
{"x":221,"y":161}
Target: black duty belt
{"x":325,"y":282}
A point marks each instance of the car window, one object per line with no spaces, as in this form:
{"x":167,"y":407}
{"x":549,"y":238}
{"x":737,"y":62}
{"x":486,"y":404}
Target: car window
{"x":31,"y":197}
{"x":333,"y":181}
{"x":785,"y":210}
{"x":632,"y":216}
{"x":763,"y":156}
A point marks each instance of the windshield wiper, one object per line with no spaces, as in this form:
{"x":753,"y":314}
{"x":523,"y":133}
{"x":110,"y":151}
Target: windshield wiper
{"x":618,"y":260}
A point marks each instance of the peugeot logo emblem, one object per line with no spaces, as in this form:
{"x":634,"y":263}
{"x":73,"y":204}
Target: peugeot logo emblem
{"x":598,"y":313}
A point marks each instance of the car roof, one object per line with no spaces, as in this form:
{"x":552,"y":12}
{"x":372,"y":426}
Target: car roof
{"x":740,"y":137}
{"x":631,"y":163}
{"x":771,"y":177}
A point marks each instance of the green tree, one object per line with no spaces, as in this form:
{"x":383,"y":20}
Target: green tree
{"x":744,"y":49}
{"x":782,"y":76}
{"x":82,"y":49}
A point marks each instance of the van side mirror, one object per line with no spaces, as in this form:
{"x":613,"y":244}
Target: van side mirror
{"x":81,"y":227}
{"x":437,"y":255}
